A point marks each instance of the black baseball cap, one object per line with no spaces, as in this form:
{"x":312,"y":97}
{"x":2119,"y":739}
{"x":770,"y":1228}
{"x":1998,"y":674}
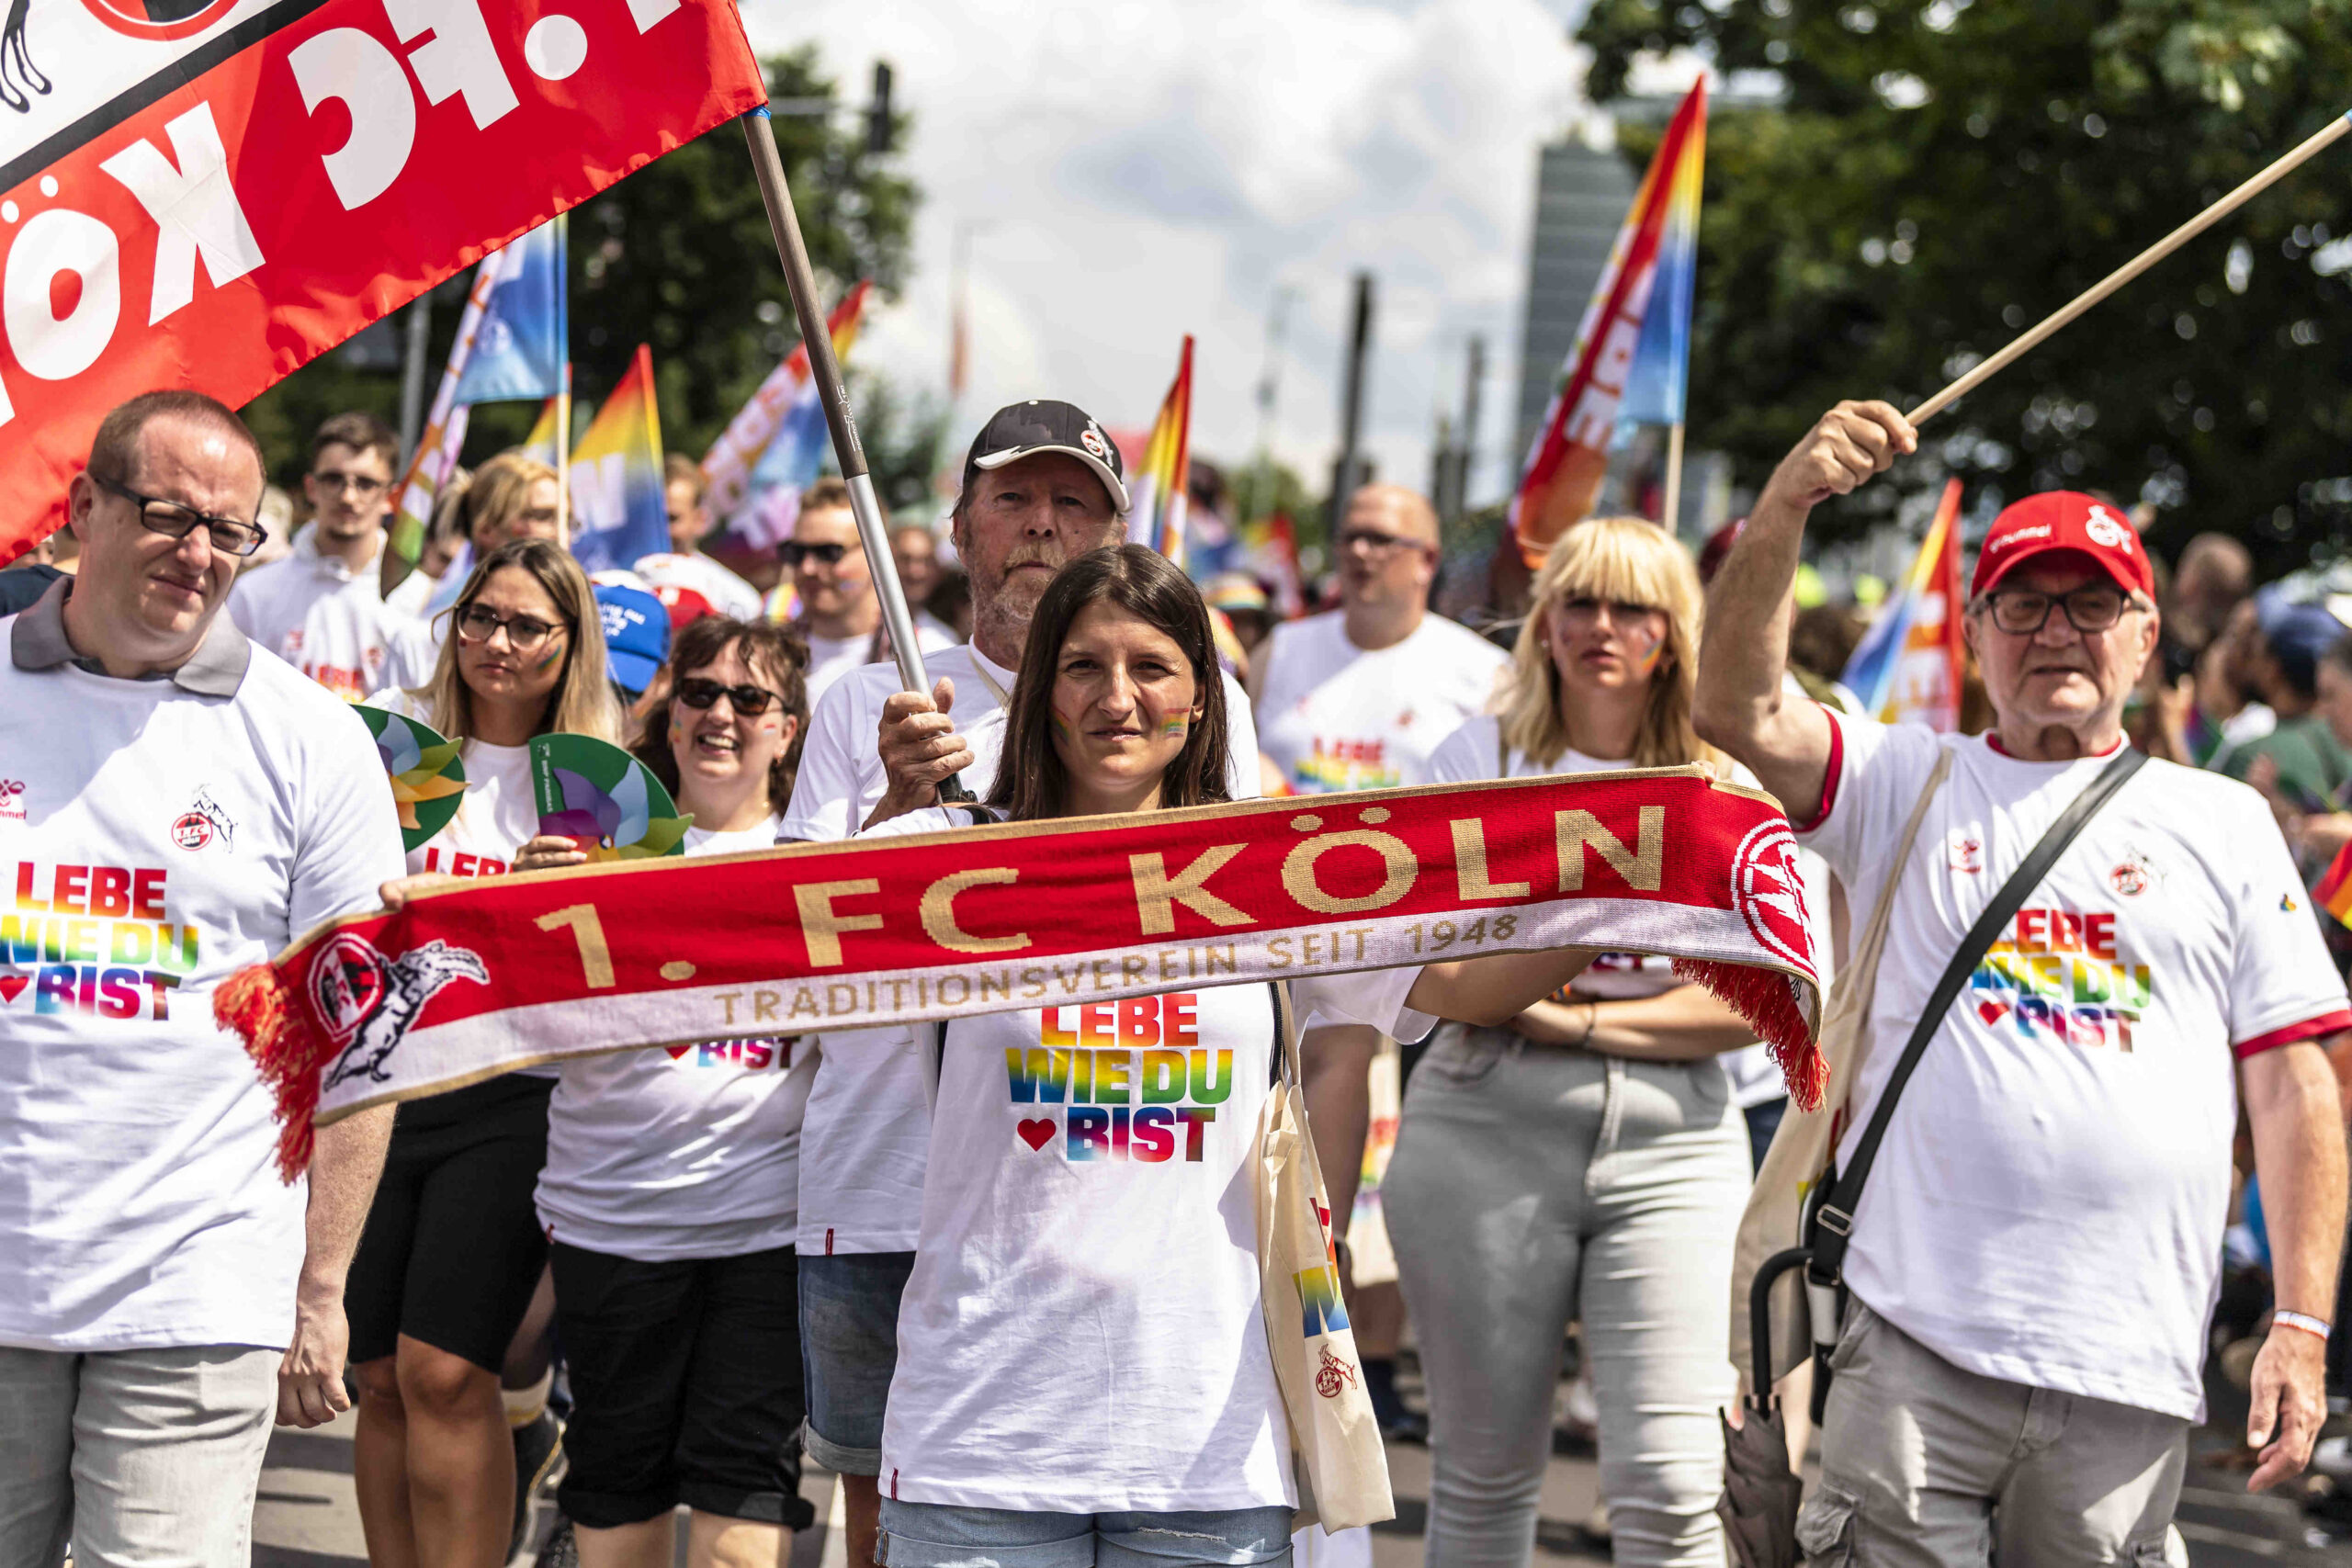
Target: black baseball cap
{"x":1041,"y":425}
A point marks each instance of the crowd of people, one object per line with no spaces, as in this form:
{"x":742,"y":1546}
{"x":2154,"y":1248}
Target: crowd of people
{"x":675,"y":1272}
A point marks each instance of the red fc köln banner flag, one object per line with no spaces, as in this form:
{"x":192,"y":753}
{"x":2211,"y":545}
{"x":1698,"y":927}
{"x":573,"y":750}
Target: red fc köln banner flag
{"x":208,"y":194}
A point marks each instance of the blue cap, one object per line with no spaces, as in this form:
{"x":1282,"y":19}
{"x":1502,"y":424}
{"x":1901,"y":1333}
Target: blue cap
{"x":637,"y":634}
{"x":2299,"y":634}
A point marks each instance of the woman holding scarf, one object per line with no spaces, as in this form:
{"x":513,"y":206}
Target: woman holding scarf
{"x":1084,"y":1374}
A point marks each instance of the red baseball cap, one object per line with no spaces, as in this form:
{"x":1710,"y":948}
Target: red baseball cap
{"x":684,"y":604}
{"x":2063,"y":520}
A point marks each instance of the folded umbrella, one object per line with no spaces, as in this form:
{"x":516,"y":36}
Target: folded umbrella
{"x":1761,"y":1489}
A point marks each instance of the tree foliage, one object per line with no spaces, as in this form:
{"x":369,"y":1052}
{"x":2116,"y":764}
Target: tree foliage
{"x":677,"y":255}
{"x":1943,"y":173}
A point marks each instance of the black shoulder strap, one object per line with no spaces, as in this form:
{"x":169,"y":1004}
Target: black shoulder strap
{"x":1834,"y":1221}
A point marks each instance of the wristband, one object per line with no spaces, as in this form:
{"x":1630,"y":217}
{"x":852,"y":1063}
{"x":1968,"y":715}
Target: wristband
{"x":2304,"y":1321}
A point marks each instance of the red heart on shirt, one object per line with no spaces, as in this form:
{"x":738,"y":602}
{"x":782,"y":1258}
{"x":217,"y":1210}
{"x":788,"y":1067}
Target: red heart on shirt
{"x":1992,"y":1013}
{"x":1036,"y":1134}
{"x":13,"y":986}
{"x":677,"y":1050}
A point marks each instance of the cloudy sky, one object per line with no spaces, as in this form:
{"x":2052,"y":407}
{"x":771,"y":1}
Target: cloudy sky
{"x":1145,"y":169}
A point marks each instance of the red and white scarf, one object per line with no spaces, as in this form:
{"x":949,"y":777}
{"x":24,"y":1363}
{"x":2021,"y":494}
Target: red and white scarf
{"x":477,"y":979}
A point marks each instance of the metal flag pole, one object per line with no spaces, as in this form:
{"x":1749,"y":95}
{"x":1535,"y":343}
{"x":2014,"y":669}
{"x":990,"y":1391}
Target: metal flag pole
{"x":825,"y":372}
{"x":2114,"y":280}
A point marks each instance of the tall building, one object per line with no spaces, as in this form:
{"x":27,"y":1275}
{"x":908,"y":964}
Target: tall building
{"x":1581,"y":199}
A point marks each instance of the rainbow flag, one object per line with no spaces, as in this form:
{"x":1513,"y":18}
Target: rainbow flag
{"x":445,"y":428}
{"x":1630,"y":361}
{"x":1908,"y":666}
{"x":541,"y":443}
{"x":617,"y":512}
{"x":743,"y":461}
{"x":2335,"y":889}
{"x":1160,"y":486}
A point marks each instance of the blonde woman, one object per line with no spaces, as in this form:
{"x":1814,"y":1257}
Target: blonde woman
{"x":1584,"y":1162}
{"x":453,"y":1250}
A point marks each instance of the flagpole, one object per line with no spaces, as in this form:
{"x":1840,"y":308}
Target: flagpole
{"x":2114,"y":280}
{"x":563,"y":385}
{"x":825,"y":371}
{"x":564,"y":451}
{"x":1673,"y":513}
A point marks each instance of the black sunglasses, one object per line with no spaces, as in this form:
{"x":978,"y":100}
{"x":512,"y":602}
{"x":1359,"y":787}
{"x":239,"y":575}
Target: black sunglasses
{"x":750,"y":700}
{"x":792,"y":553}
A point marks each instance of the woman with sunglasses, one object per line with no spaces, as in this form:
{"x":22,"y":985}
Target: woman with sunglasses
{"x":670,"y":1192}
{"x":1584,"y":1161}
{"x":453,"y":1251}
{"x":1083,"y":1372}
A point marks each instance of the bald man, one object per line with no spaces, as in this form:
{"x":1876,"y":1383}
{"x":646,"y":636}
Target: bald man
{"x":1359,"y":697}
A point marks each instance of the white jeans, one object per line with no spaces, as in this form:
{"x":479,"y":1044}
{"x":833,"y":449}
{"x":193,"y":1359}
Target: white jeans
{"x":150,"y":1458}
{"x":1534,"y":1186}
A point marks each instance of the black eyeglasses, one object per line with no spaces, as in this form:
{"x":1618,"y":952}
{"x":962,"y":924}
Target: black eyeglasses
{"x":2094,"y":607}
{"x":169,"y":518}
{"x":1375,"y":543}
{"x":365,"y":487}
{"x":750,"y":700}
{"x":525,"y":634}
{"x":792,"y":553}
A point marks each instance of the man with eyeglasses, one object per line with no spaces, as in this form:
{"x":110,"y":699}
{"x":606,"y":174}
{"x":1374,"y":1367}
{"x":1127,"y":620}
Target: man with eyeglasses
{"x":841,"y":617}
{"x":322,"y":607}
{"x":2036,"y":1255}
{"x":1359,"y":697}
{"x":180,"y":804}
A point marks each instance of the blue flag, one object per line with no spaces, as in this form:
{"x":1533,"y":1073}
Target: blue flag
{"x":521,"y":346}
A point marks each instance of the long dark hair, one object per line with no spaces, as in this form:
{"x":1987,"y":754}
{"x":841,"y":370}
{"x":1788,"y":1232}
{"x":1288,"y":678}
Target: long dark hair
{"x":1031,"y":781}
{"x":774,"y":652}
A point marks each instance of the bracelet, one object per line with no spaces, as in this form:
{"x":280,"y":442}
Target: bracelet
{"x":2302,"y":1320}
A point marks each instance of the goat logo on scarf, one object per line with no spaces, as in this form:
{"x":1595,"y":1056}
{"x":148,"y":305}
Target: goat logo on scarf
{"x":368,"y":1003}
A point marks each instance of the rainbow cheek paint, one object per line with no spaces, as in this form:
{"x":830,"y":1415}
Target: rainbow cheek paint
{"x":1646,"y":659}
{"x":1175,"y":724}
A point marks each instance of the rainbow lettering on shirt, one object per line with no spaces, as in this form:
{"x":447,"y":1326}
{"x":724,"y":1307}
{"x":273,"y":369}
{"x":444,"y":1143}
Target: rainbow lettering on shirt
{"x":1132,"y":1076}
{"x":1339,"y":764}
{"x":95,"y":940}
{"x":2058,"y":975}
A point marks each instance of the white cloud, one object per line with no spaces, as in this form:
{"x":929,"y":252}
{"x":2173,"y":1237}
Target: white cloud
{"x":1148,"y":168}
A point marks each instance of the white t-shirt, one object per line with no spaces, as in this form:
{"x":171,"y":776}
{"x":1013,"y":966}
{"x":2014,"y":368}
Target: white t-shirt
{"x":831,"y":658}
{"x":326,"y":619}
{"x":2047,"y":1205}
{"x":680,"y":1151}
{"x":1082,"y":1332}
{"x":728,"y":593}
{"x":1336,"y":718}
{"x":412,"y":595}
{"x":861,"y":1182}
{"x":156,"y":841}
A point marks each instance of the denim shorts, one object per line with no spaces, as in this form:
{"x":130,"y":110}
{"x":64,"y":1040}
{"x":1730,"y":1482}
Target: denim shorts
{"x":849,"y":1347}
{"x":933,"y":1535}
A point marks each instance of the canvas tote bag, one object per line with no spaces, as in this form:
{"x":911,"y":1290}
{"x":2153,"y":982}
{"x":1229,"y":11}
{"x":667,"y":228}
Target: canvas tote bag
{"x":1343,"y":1470}
{"x":1800,"y":1150}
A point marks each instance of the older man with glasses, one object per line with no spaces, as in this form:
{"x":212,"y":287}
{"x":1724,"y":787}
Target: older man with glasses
{"x":2033,"y":1263}
{"x":321,"y":608}
{"x":180,"y":806}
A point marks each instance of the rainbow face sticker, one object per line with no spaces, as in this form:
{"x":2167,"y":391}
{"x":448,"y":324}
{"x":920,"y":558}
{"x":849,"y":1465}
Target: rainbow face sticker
{"x":1648,"y":646}
{"x":1176,"y":725}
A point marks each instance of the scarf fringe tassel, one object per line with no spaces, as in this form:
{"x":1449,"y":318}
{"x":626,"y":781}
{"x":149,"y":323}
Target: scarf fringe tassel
{"x":259,"y":1006}
{"x":1766,"y":1002}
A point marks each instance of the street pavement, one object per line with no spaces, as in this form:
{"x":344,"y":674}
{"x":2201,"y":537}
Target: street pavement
{"x":307,"y":1517}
